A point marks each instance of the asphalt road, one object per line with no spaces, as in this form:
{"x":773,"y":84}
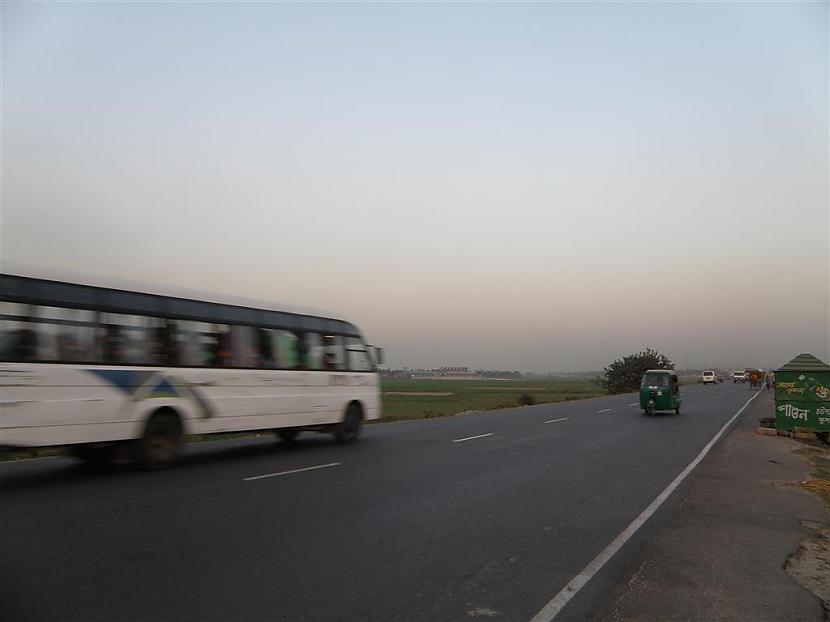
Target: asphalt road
{"x":406,"y":524}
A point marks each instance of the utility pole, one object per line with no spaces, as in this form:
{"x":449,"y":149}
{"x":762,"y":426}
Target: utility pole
{"x":685,"y":361}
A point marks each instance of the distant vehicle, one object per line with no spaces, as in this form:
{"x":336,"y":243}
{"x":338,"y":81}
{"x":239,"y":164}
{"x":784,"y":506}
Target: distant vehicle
{"x":106,"y":371}
{"x":738,"y":376}
{"x":756,"y":378}
{"x":660,"y":390}
{"x":708,"y":377}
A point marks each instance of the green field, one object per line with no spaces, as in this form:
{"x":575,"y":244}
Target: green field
{"x":410,"y":399}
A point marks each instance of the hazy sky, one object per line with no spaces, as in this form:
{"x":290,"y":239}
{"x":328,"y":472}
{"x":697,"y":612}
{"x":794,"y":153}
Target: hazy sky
{"x":521,"y":186}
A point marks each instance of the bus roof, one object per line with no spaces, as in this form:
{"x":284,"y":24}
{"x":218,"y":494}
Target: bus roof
{"x":661,"y":371}
{"x":18,"y":283}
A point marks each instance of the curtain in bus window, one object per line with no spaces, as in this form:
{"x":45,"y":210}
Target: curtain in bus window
{"x":313,"y":351}
{"x":186,"y":336}
{"x":245,"y":347}
{"x":358,"y":357}
{"x":287,"y":348}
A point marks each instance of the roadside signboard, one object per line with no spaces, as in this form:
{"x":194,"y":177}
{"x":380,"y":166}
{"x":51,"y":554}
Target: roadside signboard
{"x":802,"y":394}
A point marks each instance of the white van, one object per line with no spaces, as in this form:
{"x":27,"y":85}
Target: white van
{"x":708,"y":377}
{"x":738,"y":376}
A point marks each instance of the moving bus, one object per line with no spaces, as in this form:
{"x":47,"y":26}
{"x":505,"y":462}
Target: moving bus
{"x":107,"y":371}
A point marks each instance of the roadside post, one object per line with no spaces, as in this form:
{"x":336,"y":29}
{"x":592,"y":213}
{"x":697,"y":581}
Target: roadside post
{"x":802,"y":394}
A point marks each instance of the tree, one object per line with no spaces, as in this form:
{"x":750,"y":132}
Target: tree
{"x":625,"y":374}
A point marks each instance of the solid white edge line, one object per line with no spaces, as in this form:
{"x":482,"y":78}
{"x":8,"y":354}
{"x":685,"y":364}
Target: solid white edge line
{"x":558,"y":602}
{"x":311,"y":468}
{"x":555,"y":420}
{"x":605,"y":410}
{"x":469,"y":438}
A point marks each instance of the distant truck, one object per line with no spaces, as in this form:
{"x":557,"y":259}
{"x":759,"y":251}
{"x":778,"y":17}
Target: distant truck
{"x":738,"y":376}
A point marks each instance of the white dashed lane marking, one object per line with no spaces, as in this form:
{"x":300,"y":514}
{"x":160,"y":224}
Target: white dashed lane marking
{"x":470,"y":438}
{"x":311,"y":468}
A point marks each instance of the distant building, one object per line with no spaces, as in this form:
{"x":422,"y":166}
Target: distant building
{"x":456,"y":372}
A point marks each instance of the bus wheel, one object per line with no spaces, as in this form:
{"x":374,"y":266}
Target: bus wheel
{"x":349,"y":429}
{"x":287,"y":435}
{"x":162,"y":441}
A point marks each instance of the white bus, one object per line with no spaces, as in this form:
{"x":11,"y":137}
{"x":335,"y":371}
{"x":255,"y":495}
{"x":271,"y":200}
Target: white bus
{"x":104,"y":370}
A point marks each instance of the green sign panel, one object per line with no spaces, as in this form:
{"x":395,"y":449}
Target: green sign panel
{"x":802,"y":386}
{"x":813,"y":415}
{"x":802,"y":394}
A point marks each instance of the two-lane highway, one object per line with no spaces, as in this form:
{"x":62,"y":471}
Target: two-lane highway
{"x":477,"y":516}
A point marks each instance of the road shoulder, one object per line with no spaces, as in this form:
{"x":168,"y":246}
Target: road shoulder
{"x":722,"y":555}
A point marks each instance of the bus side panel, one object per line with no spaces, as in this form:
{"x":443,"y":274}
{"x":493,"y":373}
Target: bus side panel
{"x":236,"y":399}
{"x":47,"y":404}
{"x":231,"y":400}
{"x":50,"y":404}
{"x":345,"y":388}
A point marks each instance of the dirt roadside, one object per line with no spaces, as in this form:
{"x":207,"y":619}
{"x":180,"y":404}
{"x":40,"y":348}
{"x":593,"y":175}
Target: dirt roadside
{"x":746,"y":542}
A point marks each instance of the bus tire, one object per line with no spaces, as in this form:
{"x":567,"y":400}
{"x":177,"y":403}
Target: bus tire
{"x":161,"y":443}
{"x":348,"y":430}
{"x":287,"y":435}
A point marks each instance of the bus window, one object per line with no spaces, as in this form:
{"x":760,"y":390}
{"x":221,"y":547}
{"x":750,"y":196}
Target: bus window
{"x":132,"y":339}
{"x":245,"y":347}
{"x":198,"y":343}
{"x":12,"y":326}
{"x":65,"y":334}
{"x":313,"y":351}
{"x":219,"y":352}
{"x":266,"y":342}
{"x":165,"y":348}
{"x":111,"y":344}
{"x":18,"y":341}
{"x":14,"y":311}
{"x":287,"y":348}
{"x":185,"y":342}
{"x":358,"y":357}
{"x":334,"y":357}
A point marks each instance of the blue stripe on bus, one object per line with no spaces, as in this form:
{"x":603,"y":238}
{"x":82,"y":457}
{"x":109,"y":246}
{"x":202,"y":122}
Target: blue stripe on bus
{"x":164,"y":389}
{"x":128,"y":380}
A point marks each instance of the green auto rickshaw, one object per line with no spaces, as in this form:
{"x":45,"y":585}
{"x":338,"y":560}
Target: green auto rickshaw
{"x":660,"y":390}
